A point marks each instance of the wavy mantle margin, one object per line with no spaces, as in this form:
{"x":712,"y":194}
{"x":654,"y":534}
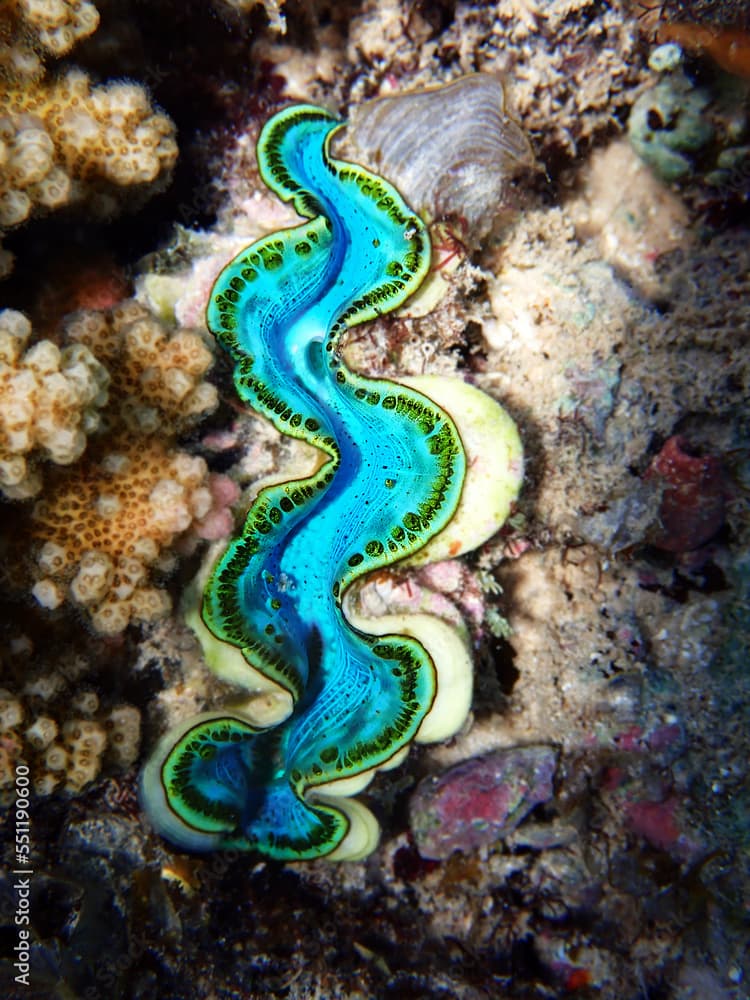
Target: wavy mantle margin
{"x":344,"y":696}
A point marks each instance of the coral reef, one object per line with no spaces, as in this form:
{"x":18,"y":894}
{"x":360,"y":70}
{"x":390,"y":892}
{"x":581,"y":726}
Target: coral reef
{"x":569,"y":65}
{"x":554,"y":300}
{"x":34,"y":28}
{"x":50,"y":399}
{"x":104,"y":528}
{"x":54,"y":722}
{"x":63,"y":140}
{"x":156,"y":373}
{"x":608,"y":618}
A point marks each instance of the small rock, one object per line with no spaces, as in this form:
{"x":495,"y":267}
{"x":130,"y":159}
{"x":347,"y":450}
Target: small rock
{"x":543,"y":836}
{"x":478,"y":801}
{"x":625,"y":520}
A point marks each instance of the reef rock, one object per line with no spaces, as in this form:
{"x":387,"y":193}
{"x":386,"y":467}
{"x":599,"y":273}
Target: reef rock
{"x":479,"y":801}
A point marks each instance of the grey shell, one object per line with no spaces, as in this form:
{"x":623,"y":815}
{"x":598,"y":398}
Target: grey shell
{"x":449,"y":150}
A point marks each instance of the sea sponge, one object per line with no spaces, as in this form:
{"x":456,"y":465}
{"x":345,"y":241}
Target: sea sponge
{"x":668,"y":126}
{"x":103,"y":528}
{"x":64,"y":741}
{"x":65,"y":142}
{"x":156,"y":374}
{"x":50,"y":400}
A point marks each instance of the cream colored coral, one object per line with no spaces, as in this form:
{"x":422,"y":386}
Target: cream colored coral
{"x":156,"y":374}
{"x":41,"y":733}
{"x":50,"y":400}
{"x":123,"y":725}
{"x":11,"y":711}
{"x":85,"y":741}
{"x":103,"y":561}
{"x":65,"y":740}
{"x":85,"y":702}
{"x":276,"y":18}
{"x":63,"y":141}
{"x":34,"y":30}
{"x":57,"y":25}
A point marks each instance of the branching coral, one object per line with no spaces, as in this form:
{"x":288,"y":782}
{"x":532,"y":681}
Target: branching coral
{"x":50,"y":399}
{"x":62,"y":140}
{"x":119,"y":369}
{"x":63,"y":737}
{"x":103,"y":529}
{"x":156,"y":375}
{"x":35,"y":28}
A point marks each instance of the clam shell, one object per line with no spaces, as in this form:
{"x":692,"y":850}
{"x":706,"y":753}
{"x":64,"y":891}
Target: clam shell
{"x":449,"y":150}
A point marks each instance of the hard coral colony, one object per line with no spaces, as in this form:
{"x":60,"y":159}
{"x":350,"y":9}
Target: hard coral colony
{"x":348,"y":694}
{"x":109,"y":403}
{"x":64,"y":141}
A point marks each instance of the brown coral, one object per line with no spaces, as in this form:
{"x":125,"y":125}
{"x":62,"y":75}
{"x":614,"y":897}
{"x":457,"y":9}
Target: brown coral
{"x":59,"y":135}
{"x":103,"y":527}
{"x":120,"y":369}
{"x":64,"y":142}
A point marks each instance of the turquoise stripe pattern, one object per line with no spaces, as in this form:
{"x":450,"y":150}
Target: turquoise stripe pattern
{"x":389,"y":478}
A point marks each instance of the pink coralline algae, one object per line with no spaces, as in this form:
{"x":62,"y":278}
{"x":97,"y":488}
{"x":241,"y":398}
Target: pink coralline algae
{"x":479,"y":801}
{"x":219,"y":521}
{"x":655,"y":822}
{"x":692,"y":504}
{"x":662,"y":825}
